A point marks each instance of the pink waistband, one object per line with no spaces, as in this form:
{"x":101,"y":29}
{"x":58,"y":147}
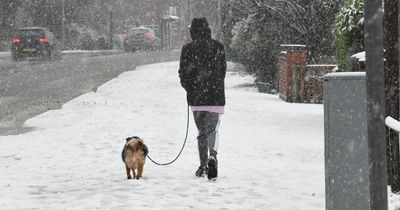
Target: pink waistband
{"x":215,"y":109}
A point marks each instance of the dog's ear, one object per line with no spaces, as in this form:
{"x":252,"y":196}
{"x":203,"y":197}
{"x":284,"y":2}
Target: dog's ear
{"x":135,"y":137}
{"x":132,"y":137}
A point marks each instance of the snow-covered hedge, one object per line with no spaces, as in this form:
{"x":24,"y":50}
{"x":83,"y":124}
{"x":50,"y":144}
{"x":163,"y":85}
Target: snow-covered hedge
{"x":258,"y":28}
{"x":349,"y":32}
{"x":253,"y":45}
{"x":87,"y":38}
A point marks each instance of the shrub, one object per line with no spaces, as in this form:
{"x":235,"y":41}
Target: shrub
{"x":253,"y":46}
{"x":86,"y":42}
{"x":349,"y":32}
{"x":102,"y":44}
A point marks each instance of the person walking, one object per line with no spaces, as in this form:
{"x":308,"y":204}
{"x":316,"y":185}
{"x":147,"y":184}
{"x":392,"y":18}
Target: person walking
{"x":202,"y":71}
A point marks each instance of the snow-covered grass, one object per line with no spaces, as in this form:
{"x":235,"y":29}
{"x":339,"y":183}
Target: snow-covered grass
{"x":271,"y":153}
{"x":5,"y":54}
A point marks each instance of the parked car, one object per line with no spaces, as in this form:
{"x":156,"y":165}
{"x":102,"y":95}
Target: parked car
{"x":141,"y":38}
{"x":34,"y":42}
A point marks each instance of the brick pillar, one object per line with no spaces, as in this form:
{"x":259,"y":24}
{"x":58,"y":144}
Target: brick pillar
{"x":282,"y":74}
{"x":291,"y":65}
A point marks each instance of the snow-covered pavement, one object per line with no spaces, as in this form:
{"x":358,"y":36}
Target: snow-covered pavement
{"x":271,"y":153}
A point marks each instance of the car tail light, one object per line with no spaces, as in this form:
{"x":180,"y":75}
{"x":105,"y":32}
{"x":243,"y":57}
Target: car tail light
{"x":43,"y":40}
{"x":16,"y":40}
{"x":149,"y":36}
{"x":125,"y":36}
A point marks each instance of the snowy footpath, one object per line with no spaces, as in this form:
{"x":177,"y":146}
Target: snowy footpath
{"x":271,"y":153}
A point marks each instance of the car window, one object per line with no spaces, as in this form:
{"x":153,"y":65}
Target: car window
{"x":30,"y":33}
{"x":47,"y":34}
{"x":138,"y":31}
{"x":51,"y":36}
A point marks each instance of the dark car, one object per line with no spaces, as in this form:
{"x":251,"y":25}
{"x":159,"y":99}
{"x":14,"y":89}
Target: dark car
{"x":140,"y":38}
{"x":34,"y":42}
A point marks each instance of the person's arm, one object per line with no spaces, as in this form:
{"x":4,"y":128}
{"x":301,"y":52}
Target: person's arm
{"x":221,"y":63}
{"x":183,"y":68}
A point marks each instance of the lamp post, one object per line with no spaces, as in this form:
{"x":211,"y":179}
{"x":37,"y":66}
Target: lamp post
{"x":373,"y":31}
{"x":62,"y":23}
{"x":189,"y":12}
{"x":220,"y":24}
{"x":111,"y":28}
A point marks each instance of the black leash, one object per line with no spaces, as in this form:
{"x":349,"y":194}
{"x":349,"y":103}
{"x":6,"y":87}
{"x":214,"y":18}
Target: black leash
{"x":183,"y":146}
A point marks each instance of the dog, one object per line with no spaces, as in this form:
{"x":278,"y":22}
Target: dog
{"x":134,"y":155}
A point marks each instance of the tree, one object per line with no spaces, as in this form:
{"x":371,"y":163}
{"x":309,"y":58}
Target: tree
{"x":44,"y":14}
{"x":8,"y":10}
{"x":262,"y":26}
{"x":208,"y":9}
{"x":392,"y":88}
{"x":349,"y":32}
{"x":319,"y":19}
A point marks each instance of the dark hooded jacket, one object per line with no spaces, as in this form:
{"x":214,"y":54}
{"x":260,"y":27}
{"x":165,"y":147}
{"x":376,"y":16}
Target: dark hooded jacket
{"x":203,"y":67}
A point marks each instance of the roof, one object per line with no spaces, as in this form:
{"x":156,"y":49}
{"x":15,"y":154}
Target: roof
{"x":359,"y":56}
{"x":169,"y":18}
{"x":140,"y":27}
{"x":33,"y":28}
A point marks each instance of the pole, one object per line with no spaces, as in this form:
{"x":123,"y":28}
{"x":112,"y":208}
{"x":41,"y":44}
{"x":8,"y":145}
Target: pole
{"x":62,"y":24}
{"x":111,"y":29}
{"x":373,"y":34}
{"x":219,"y":20}
{"x":221,"y":23}
{"x":189,"y":11}
{"x":162,"y":33}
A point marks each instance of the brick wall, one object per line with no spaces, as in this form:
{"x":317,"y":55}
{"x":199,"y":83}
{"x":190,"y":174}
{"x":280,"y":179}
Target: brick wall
{"x":299,"y":82}
{"x":313,"y":82}
{"x":292,"y":60}
{"x":283,"y":77}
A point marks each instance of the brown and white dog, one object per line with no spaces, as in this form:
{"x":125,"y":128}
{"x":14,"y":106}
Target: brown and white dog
{"x":134,"y":156}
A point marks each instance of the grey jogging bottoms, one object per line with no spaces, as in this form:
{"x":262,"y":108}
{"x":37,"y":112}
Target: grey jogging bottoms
{"x":207,"y":124}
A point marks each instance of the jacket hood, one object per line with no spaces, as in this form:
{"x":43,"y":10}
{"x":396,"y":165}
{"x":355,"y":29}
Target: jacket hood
{"x":200,"y":29}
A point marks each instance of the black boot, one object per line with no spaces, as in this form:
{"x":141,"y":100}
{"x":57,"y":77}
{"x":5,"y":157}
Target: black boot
{"x":203,"y":155}
{"x":212,"y":172}
{"x":201,"y":171}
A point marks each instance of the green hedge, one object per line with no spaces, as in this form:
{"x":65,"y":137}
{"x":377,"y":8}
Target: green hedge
{"x":349,"y":32}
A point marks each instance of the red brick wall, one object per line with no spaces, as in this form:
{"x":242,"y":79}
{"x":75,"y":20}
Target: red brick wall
{"x":283,"y":81}
{"x":299,"y":82}
{"x":292,"y":59}
{"x":312,"y":91}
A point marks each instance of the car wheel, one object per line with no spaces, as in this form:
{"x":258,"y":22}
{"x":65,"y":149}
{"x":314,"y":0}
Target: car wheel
{"x":47,"y":55}
{"x":60,"y":56}
{"x":126,"y":49}
{"x":14,"y":57}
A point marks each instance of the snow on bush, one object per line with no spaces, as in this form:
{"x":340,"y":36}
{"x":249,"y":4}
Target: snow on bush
{"x":349,"y":32}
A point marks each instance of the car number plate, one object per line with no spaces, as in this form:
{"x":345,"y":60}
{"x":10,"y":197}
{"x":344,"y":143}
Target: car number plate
{"x":29,"y":50}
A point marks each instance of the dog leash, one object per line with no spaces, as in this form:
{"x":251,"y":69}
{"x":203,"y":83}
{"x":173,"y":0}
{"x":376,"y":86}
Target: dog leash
{"x":183,"y":146}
